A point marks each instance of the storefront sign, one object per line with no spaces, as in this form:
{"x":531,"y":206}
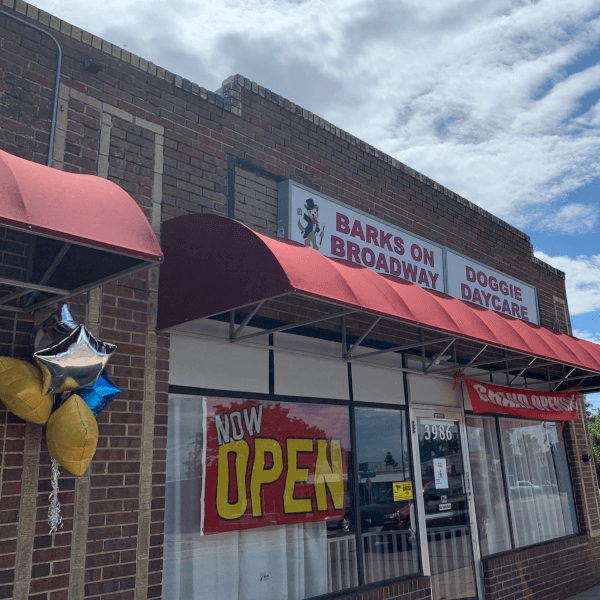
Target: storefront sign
{"x":270,"y":463}
{"x":488,"y":398}
{"x":403,"y":490}
{"x":336,"y":230}
{"x":489,"y":288}
{"x":440,"y":473}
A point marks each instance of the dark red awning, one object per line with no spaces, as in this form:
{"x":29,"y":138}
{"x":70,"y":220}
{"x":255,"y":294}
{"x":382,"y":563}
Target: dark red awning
{"x":75,"y":232}
{"x":215,"y":264}
{"x":84,"y":209}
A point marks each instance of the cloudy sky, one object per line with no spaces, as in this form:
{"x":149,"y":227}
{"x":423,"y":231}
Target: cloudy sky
{"x":497,"y":100}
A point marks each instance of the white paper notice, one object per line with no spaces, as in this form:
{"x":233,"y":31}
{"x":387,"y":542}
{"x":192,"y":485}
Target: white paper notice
{"x":440,"y":473}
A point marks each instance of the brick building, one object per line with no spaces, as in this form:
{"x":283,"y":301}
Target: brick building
{"x":132,"y":522}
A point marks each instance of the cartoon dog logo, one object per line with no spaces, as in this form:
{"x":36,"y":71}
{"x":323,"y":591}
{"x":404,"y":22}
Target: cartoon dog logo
{"x":311,"y":228}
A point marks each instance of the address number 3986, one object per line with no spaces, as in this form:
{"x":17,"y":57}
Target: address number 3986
{"x":437,"y":432}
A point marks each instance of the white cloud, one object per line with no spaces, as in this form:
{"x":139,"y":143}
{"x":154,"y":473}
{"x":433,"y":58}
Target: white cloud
{"x":476,"y":95}
{"x":582,"y":280}
{"x":570,"y":219}
{"x":587,"y":335}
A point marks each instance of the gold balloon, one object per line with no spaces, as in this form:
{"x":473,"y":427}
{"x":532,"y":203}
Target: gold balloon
{"x":72,"y":435}
{"x":21,"y":390}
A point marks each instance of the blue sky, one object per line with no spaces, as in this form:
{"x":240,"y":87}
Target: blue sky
{"x":497,"y":100}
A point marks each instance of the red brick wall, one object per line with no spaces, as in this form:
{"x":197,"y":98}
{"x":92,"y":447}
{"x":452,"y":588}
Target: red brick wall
{"x":547,"y":572}
{"x":178,"y":149}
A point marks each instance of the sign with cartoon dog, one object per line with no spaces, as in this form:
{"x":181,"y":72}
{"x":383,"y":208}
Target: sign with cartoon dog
{"x":309,"y":224}
{"x":339,"y":231}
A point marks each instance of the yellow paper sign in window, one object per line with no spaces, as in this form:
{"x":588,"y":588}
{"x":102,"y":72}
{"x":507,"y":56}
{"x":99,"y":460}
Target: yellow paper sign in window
{"x":403,"y":490}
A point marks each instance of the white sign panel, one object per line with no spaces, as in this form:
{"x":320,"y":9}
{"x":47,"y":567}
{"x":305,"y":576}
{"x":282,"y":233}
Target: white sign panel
{"x":468,"y":280}
{"x":338,"y":231}
{"x":440,"y":473}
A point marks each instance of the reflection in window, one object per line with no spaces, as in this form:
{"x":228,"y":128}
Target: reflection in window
{"x":536,"y":495}
{"x":292,"y":535}
{"x":488,"y":485}
{"x":539,"y":489}
{"x":388,"y":523}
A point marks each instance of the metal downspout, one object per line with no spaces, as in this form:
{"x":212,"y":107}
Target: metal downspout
{"x":57,"y":82}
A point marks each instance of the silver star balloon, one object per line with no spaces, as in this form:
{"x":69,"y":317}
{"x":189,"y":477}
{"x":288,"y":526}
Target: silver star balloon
{"x":76,"y":361}
{"x":54,"y":328}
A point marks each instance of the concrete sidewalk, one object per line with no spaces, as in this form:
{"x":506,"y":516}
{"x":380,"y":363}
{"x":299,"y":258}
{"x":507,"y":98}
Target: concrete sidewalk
{"x":591,"y":594}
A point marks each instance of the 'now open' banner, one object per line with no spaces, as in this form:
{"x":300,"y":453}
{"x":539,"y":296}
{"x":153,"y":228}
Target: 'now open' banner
{"x":272,"y":463}
{"x":545,"y":406}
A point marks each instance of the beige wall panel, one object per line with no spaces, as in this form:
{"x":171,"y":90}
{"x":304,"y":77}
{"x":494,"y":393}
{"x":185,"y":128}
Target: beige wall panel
{"x":197,"y":362}
{"x":377,"y":384}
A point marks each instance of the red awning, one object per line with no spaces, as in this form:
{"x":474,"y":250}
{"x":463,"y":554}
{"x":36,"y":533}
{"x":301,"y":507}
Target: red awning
{"x":85,"y":209}
{"x":215,"y":264}
{"x":76,"y":232}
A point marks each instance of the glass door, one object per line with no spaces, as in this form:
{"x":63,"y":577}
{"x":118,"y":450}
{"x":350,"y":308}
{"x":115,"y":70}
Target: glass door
{"x":446,"y":505}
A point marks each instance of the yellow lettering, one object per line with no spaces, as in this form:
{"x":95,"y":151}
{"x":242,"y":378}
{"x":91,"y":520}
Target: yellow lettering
{"x":226,"y":510}
{"x":296,"y":475}
{"x":330,"y":475}
{"x":261,"y":476}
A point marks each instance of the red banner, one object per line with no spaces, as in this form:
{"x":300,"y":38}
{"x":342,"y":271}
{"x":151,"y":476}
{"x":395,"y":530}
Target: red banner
{"x":272,"y":463}
{"x":545,"y":406}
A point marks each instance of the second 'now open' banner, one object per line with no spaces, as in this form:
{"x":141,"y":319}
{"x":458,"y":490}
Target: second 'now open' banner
{"x":546,"y":406}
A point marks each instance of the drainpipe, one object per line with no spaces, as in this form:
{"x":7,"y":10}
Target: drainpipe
{"x":57,"y":83}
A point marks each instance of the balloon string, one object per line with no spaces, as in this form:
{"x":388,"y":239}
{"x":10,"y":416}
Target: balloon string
{"x":54,"y":516}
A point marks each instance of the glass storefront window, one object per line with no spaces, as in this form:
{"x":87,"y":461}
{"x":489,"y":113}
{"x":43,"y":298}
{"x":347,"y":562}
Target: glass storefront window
{"x":261,"y":501}
{"x":388,"y":520}
{"x":257,"y":500}
{"x":539,"y":490}
{"x":535,"y":503}
{"x":488,"y":485}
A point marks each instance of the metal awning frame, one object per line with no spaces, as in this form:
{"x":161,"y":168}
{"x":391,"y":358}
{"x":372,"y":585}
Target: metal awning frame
{"x":348,"y":353}
{"x":60,"y":294}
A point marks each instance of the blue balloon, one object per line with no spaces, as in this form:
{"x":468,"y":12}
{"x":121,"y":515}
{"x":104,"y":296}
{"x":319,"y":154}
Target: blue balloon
{"x":100,"y":394}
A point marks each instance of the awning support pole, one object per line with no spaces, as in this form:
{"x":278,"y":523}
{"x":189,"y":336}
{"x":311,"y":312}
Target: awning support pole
{"x":464,"y":367}
{"x":399,"y":348}
{"x":247,"y":320}
{"x":32,"y":286}
{"x":578,"y":377}
{"x":360,"y":340}
{"x":437,"y":357}
{"x":522,"y":371}
{"x":231,"y":324}
{"x":489,"y":362}
{"x":509,"y":369}
{"x":57,"y":259}
{"x":294,"y":325}
{"x":565,"y":378}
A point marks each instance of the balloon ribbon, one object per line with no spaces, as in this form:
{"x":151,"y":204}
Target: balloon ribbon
{"x":54,"y":516}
